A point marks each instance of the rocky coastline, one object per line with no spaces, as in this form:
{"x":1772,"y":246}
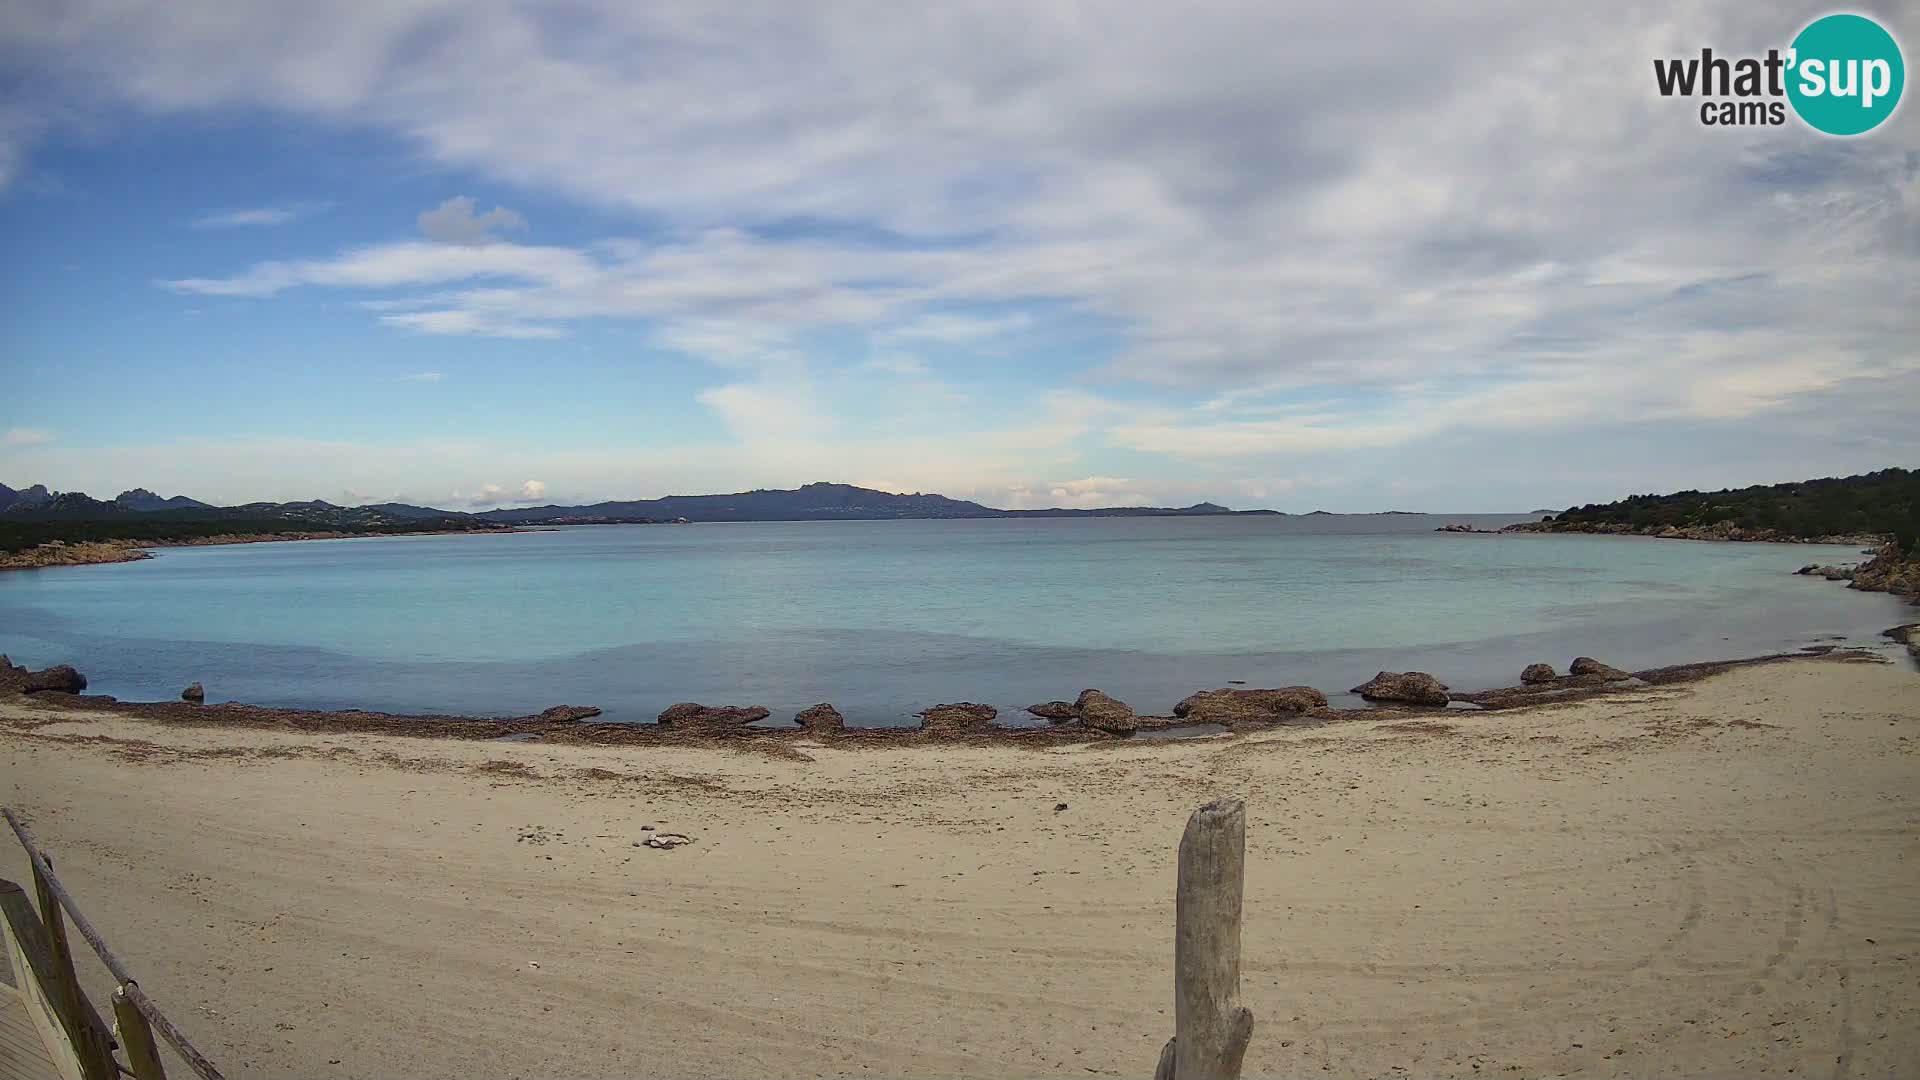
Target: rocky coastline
{"x":1093,"y":716}
{"x":1889,"y":571}
{"x":1720,"y":531}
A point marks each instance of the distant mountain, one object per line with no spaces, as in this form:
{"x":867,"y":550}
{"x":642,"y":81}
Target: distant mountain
{"x":1203,"y":509}
{"x":37,"y":501}
{"x":408,"y":512}
{"x":144,"y":501}
{"x":814,"y":502}
{"x":25,"y":499}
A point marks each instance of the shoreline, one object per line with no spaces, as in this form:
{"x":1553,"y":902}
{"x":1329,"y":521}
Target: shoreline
{"x":1703,"y":879}
{"x":950,"y":724}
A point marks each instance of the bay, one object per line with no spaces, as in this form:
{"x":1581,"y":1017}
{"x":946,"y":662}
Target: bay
{"x":883,"y":618}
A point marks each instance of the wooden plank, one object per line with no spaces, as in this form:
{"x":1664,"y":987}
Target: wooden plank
{"x":22,"y":1054}
{"x":136,"y":1038}
{"x":40,"y":1024}
{"x":1211,"y":1029}
{"x":63,"y":984}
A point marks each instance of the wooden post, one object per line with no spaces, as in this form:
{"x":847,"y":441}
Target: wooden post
{"x":66,"y":982}
{"x":1210,"y":1028}
{"x":136,"y":1038}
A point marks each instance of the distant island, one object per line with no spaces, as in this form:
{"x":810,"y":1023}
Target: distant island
{"x":40,"y":527}
{"x":813,"y":502}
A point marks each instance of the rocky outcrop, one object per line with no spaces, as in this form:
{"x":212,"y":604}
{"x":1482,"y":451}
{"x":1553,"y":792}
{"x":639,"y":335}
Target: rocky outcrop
{"x":710,"y":719}
{"x":563,"y":713}
{"x":1888,"y":571}
{"x":1587,"y":665}
{"x":1410,"y":687}
{"x":194,"y":693}
{"x":1059,"y":712}
{"x":1249,"y":706}
{"x":821,"y":719}
{"x":79,"y":553}
{"x":959,"y":718}
{"x":1536,"y":674}
{"x":1103,"y":712}
{"x":59,"y":679}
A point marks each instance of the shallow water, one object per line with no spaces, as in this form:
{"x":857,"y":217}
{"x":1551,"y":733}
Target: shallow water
{"x":885,"y":617}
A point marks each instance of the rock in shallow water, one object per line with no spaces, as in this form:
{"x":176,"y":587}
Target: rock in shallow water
{"x":1587,"y":665}
{"x":1057,"y":711}
{"x":710,"y":719}
{"x":959,"y":718}
{"x":1230,"y":706}
{"x":194,"y":693}
{"x":1104,"y":712}
{"x":1535,"y":674}
{"x":821,"y":719}
{"x":564,"y":712}
{"x":1411,"y":687}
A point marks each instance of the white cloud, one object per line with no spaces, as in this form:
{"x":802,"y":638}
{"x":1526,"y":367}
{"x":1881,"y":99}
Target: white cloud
{"x":454,"y":222}
{"x":491,"y":495}
{"x":25,"y":436}
{"x":256,"y":216}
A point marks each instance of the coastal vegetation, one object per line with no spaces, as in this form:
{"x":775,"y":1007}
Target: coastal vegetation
{"x":1879,"y":506}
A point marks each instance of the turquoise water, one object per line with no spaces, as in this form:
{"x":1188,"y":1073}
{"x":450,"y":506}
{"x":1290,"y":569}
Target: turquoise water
{"x":885,"y":617}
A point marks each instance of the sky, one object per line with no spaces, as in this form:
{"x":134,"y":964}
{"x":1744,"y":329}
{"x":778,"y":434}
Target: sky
{"x":1379,"y":255}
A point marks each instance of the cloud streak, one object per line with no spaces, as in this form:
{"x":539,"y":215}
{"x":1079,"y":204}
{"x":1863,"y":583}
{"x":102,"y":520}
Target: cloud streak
{"x":258,"y":216}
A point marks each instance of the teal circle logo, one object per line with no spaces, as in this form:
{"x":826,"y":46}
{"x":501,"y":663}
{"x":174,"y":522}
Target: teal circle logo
{"x":1845,"y":74}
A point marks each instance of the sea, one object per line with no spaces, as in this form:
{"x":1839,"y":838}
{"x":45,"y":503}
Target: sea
{"x":884,"y":618}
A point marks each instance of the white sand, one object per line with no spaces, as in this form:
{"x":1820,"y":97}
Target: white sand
{"x":1623,"y":887}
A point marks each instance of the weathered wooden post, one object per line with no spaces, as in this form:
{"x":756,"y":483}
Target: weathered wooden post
{"x":1210,"y":1027}
{"x":136,"y":1038}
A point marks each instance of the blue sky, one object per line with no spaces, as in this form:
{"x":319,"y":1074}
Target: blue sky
{"x":1035,"y":255}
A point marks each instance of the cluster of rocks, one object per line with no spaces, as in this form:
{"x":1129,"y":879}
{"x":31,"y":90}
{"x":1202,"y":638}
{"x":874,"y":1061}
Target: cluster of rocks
{"x":1462,"y":527}
{"x":693,"y":718}
{"x":1540,"y":681}
{"x":1093,"y":708}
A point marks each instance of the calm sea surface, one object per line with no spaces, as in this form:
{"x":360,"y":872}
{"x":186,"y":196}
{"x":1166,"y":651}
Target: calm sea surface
{"x":886,"y":617}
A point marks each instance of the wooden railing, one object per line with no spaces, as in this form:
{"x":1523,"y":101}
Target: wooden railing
{"x":43,"y":964}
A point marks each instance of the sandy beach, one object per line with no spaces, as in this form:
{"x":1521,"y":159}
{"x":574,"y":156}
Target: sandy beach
{"x":1710,"y":879}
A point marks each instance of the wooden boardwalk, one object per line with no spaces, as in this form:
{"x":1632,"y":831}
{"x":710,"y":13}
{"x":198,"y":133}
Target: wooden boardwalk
{"x":22,"y":1055}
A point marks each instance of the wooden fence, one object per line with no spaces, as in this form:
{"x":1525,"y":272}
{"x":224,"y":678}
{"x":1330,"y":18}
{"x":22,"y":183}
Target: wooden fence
{"x":80,"y":1042}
